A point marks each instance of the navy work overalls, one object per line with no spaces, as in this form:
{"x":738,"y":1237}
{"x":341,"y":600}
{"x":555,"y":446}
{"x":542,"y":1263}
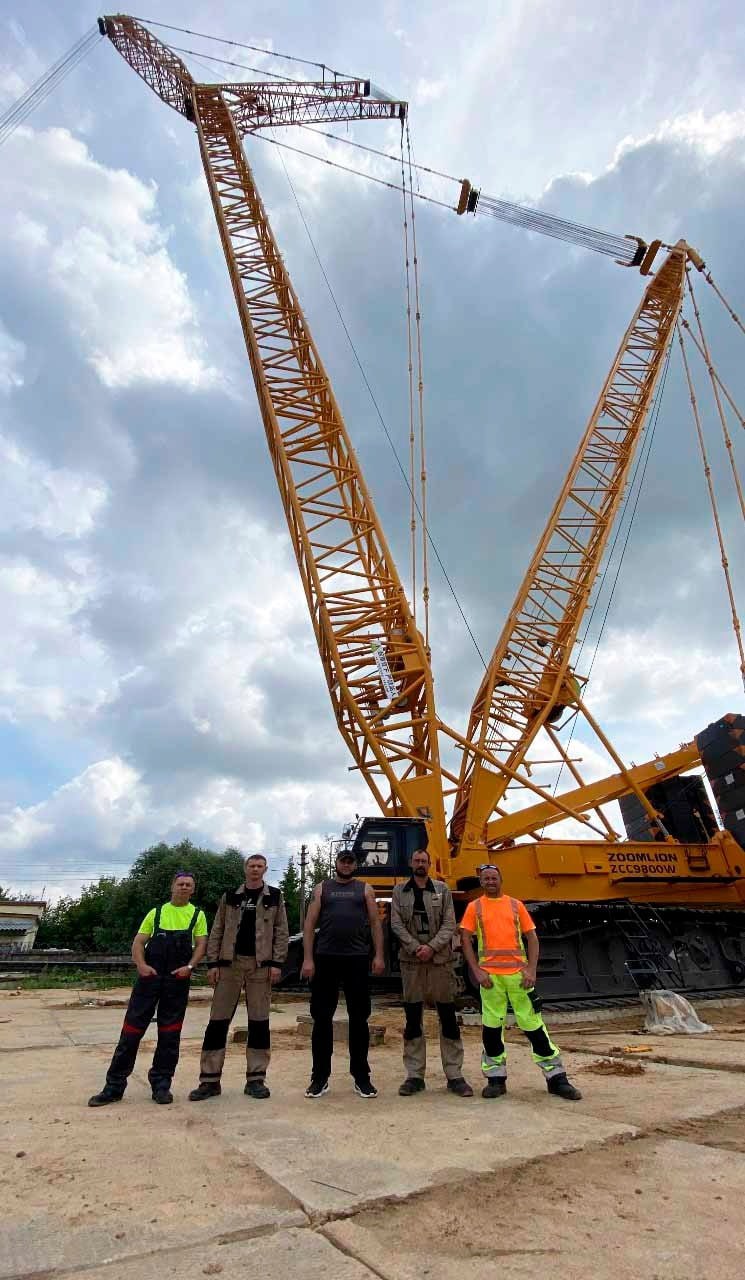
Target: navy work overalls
{"x":167,"y":949}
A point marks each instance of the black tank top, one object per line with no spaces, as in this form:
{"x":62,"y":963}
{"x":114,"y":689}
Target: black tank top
{"x":343,"y":925}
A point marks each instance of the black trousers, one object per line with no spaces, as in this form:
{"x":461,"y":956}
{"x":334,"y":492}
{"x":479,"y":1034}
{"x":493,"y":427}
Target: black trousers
{"x":351,"y":974}
{"x":168,"y":997}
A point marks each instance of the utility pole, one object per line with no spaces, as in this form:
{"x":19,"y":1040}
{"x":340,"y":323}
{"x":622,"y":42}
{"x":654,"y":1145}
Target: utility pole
{"x":303,"y":862}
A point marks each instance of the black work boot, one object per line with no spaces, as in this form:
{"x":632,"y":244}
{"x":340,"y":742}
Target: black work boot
{"x":495,"y":1087}
{"x":461,"y":1087}
{"x":412,"y":1084}
{"x":207,"y":1089}
{"x":563,"y":1088}
{"x":256,"y":1089}
{"x":163,"y":1096}
{"x":106,"y":1096}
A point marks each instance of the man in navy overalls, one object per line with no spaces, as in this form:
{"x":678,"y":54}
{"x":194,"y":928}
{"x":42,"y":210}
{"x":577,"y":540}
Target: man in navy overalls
{"x":170,"y":941}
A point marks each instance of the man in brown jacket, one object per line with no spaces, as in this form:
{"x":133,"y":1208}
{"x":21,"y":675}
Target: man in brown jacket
{"x":423,"y":920}
{"x":246,"y":950}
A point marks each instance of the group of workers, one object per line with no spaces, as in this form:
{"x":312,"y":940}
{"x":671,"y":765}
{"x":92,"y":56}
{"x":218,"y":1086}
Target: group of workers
{"x":247,"y":946}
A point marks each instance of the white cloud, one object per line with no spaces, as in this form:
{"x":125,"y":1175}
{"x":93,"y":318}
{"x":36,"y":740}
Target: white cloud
{"x":55,"y":500}
{"x":710,"y":133}
{"x":92,"y":233}
{"x":12,"y":353}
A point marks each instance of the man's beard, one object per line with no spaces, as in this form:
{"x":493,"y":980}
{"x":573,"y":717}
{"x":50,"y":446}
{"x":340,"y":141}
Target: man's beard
{"x":345,"y":875}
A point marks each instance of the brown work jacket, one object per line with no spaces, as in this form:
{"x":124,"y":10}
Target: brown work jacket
{"x":438,"y":903}
{"x":272,"y":933}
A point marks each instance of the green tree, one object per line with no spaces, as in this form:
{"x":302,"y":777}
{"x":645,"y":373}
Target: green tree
{"x":107,"y":914}
{"x":290,"y":886}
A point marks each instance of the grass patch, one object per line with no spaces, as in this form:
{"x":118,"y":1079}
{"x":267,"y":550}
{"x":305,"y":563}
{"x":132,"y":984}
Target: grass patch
{"x":70,"y":979}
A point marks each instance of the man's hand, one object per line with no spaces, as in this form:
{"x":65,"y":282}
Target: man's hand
{"x":482,"y":977}
{"x":308,"y":969}
{"x":424,"y":953}
{"x":528,"y":978}
{"x":183,"y":972}
{"x":213,"y":976}
{"x":147,"y":971}
{"x":275,"y":973}
{"x":378,"y":966}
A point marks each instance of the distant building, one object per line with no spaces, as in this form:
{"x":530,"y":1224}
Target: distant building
{"x":19,"y":922}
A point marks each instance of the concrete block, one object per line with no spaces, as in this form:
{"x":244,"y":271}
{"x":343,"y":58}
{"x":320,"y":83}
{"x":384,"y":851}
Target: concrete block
{"x":341,"y":1030}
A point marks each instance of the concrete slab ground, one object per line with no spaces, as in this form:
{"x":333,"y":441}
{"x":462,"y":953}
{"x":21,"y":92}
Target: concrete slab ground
{"x":719,"y":1049}
{"x":662,"y":1210}
{"x":645,"y":1177}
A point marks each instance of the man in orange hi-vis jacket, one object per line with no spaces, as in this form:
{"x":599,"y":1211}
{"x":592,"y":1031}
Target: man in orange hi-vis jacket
{"x":506,"y":971}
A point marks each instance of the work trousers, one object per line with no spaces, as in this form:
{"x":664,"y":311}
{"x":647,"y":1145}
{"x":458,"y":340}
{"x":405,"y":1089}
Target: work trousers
{"x":507,"y":988}
{"x":430,"y":984}
{"x":242,"y":976}
{"x":168,"y":997}
{"x":351,"y":974}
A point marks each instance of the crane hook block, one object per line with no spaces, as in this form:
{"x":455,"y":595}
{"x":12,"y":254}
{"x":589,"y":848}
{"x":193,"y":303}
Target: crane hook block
{"x":102,"y":26}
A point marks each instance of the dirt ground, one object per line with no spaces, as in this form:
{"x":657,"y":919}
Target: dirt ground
{"x":644,"y":1177}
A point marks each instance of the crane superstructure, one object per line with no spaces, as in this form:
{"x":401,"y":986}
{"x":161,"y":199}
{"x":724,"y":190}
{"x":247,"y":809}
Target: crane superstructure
{"x":376,"y":663}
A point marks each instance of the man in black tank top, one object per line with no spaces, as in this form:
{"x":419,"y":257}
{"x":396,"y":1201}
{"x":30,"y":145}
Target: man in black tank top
{"x":344,"y":910}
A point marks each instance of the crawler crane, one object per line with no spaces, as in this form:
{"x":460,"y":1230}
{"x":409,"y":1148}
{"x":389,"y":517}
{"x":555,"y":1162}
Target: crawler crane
{"x":613,"y":914}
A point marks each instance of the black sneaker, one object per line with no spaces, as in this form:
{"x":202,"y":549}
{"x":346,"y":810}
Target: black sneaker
{"x":317,"y":1088}
{"x":495,"y":1087}
{"x":256,"y":1089}
{"x":365,"y":1089}
{"x":412,"y":1084}
{"x":461,"y":1087}
{"x":106,"y":1096}
{"x":205,"y":1090}
{"x":163,"y":1096}
{"x":562,"y":1088}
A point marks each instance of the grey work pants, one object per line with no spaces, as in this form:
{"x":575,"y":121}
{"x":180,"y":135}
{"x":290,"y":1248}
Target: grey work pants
{"x":242,"y":976}
{"x":431,"y":984}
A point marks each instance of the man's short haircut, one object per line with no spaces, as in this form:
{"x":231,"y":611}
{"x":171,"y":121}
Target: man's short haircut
{"x":179,"y":874}
{"x":421,"y":851}
{"x":253,"y":857}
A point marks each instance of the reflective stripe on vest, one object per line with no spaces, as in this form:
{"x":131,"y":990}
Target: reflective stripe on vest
{"x":505,"y":960}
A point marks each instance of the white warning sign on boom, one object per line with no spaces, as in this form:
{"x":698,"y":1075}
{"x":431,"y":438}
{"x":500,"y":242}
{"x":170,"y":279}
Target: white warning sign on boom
{"x":384,"y":671}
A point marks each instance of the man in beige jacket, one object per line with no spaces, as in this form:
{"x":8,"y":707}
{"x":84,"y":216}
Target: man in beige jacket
{"x":246,"y":950}
{"x":423,"y":920}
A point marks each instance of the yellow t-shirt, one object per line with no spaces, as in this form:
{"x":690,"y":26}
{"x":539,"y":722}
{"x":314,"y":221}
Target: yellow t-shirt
{"x":175,"y":918}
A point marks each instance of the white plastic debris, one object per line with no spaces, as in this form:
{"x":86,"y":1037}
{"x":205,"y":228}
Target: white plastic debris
{"x":669,"y":1014}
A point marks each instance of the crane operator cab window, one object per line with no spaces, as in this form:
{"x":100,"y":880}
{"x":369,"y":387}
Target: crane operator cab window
{"x":375,"y":850}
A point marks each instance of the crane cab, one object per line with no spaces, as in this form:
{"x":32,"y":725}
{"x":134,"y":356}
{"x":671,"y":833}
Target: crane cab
{"x":383,"y":847}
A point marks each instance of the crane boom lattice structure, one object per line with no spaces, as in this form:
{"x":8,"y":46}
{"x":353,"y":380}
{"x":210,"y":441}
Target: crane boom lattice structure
{"x":528,"y":681}
{"x":374,"y":659}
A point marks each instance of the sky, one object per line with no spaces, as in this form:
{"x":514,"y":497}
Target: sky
{"x":159,"y":678}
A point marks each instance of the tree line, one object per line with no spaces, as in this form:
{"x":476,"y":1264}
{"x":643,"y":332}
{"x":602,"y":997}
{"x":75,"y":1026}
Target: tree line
{"x":106,"y":914}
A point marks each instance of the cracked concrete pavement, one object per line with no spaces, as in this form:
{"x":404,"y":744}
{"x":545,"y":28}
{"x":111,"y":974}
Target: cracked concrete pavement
{"x":644,"y":1177}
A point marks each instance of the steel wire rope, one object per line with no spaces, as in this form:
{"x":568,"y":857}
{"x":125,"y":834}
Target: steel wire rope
{"x":617,"y":247}
{"x":733,"y":314}
{"x":254,"y":48}
{"x":420,"y":387}
{"x":715,"y":510}
{"x":412,"y":437}
{"x":643,"y":458}
{"x":715,"y":389}
{"x":19,"y":111}
{"x":377,"y":408}
{"x":229,"y":62}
